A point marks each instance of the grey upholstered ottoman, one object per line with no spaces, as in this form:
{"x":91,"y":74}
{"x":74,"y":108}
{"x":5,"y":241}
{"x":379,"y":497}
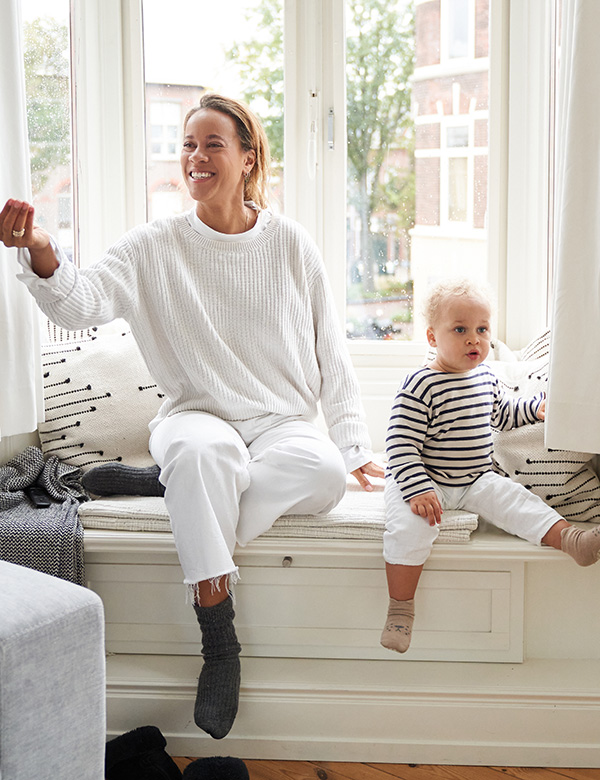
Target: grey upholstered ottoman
{"x":52,"y":678}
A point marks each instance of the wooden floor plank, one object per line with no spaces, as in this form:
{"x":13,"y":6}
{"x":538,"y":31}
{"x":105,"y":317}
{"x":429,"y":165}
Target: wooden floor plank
{"x":431,"y":772}
{"x":585,"y":774}
{"x":582,"y":774}
{"x":531,"y":773}
{"x":339,"y":770}
{"x":281,"y":770}
{"x":556,"y":773}
{"x":182,"y":761}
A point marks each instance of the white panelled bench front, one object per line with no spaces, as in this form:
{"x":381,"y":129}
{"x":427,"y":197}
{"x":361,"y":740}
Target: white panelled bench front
{"x":494,"y":675}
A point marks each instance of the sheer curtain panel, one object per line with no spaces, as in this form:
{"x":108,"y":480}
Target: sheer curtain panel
{"x":21,"y":403}
{"x":573,"y":414}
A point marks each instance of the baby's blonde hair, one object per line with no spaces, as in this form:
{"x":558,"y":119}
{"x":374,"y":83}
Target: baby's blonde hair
{"x":452,"y":288}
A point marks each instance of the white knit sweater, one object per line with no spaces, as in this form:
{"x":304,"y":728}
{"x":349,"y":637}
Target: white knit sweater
{"x":237,"y":329}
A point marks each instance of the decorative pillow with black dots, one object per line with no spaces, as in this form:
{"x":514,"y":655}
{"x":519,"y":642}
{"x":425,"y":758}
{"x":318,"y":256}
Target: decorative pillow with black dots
{"x":99,"y":399}
{"x":563,"y":479}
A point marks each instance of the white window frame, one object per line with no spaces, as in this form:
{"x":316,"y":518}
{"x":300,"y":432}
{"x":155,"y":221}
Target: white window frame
{"x":110,"y":180}
{"x":528,"y":170}
{"x":109,"y":136}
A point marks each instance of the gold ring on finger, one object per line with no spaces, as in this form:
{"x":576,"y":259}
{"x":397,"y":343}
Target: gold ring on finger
{"x":19,"y":233}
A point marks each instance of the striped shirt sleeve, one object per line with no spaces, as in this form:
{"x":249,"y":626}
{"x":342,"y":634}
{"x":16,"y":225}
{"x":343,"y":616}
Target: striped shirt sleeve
{"x":511,"y":412}
{"x":404,"y":444}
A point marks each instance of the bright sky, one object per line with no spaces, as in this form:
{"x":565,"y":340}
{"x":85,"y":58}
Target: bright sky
{"x":185,"y":42}
{"x":59,"y":9}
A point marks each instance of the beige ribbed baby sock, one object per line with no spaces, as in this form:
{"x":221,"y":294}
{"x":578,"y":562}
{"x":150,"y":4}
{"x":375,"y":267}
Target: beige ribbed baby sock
{"x":582,"y":546}
{"x":398,"y":625}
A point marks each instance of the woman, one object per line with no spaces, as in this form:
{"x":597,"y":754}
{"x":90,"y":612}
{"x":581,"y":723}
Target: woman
{"x":230,"y":307}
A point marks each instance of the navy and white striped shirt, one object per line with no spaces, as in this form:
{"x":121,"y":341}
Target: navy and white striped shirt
{"x":441,"y":427}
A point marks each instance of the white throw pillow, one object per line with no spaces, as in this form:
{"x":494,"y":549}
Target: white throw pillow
{"x":99,"y":398}
{"x":563,"y":479}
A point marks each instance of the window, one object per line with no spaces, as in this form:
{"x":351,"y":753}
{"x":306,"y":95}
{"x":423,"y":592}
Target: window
{"x":64,"y":203}
{"x":460,"y":178}
{"x":457,"y":136}
{"x":380,"y":54}
{"x":165,"y":132}
{"x":177,"y":74}
{"x":47,"y":85}
{"x":457,"y":28}
{"x":392,"y":191}
{"x":457,"y":189}
{"x":431,"y":211}
{"x":450,"y":99}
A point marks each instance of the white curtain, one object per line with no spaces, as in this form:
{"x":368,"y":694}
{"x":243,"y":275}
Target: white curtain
{"x":573,"y":407}
{"x":21,"y":402}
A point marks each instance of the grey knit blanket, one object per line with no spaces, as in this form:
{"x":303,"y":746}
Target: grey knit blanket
{"x":47,"y":539}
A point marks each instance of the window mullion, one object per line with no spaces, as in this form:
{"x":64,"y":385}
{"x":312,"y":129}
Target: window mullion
{"x":498,"y":156}
{"x":108,"y":80}
{"x":334,"y":145}
{"x":134,"y":112}
{"x":528,"y":170}
{"x":303,"y":122}
{"x":315,"y":133}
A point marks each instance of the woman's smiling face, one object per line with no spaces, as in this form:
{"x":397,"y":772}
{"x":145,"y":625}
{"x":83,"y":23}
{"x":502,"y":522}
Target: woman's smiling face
{"x":213,"y":162}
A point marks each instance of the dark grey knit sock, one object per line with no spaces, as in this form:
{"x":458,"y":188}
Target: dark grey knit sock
{"x":219,"y":681}
{"x":116,"y":479}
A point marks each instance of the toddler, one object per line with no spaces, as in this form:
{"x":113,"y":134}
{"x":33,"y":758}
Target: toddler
{"x":439,"y":448}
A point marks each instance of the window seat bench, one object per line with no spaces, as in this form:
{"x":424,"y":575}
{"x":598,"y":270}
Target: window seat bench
{"x":504,"y":664}
{"x":503,"y":668}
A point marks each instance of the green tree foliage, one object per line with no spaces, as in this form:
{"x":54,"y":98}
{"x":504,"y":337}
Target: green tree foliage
{"x":380,"y":62}
{"x":46,"y":56}
{"x":260,"y":60}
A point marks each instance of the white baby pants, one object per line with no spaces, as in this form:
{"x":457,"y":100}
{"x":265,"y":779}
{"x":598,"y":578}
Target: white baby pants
{"x":227,"y":482}
{"x":408,"y":537}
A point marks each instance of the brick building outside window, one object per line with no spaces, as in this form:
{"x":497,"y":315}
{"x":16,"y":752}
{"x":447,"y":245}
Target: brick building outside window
{"x":450,"y":109}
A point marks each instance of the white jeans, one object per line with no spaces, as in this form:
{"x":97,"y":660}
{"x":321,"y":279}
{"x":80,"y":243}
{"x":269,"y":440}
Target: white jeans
{"x":227,"y":482}
{"x":408,"y":537}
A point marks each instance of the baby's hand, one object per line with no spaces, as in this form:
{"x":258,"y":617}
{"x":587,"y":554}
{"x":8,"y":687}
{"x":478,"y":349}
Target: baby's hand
{"x":428,"y":506}
{"x":541,"y":412}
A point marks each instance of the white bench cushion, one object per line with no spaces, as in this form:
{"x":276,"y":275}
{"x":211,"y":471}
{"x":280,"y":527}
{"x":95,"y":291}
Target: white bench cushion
{"x":359,"y":515}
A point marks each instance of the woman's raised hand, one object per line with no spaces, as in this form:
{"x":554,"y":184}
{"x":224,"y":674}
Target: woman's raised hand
{"x":17,"y":230}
